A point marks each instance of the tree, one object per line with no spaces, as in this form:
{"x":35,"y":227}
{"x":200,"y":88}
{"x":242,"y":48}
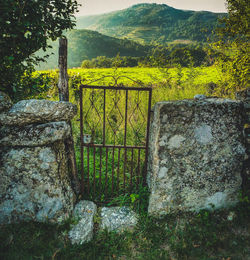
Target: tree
{"x":25,"y":27}
{"x":233,"y":43}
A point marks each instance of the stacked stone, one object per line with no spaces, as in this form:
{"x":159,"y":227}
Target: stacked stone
{"x":196,"y":155}
{"x":247,"y":129}
{"x":34,"y":176}
{"x":247,"y":133}
{"x":244,"y":96}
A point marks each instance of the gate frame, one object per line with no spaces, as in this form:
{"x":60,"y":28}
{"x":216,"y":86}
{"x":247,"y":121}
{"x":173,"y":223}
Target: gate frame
{"x":104,"y":145}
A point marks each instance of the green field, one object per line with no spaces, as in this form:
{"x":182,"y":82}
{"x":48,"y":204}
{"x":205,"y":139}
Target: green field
{"x":167,"y":84}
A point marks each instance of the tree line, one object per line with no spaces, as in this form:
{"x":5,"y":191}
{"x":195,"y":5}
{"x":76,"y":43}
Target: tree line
{"x":160,"y":56}
{"x":26,"y":26}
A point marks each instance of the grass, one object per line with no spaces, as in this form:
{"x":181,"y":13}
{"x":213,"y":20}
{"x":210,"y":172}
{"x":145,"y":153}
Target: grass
{"x":167,"y":84}
{"x":198,"y":236}
{"x":173,"y":83}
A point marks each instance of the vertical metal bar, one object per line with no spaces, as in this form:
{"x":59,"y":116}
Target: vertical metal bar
{"x":88,"y":169}
{"x":124,"y":168}
{"x":81,"y":141}
{"x":131,"y":173}
{"x":106,"y":173}
{"x":94,"y":184}
{"x":100,"y":172}
{"x":104,"y":117}
{"x":138,"y":167}
{"x":113,"y":157}
{"x":147,"y":136}
{"x":118,"y":169}
{"x":126,"y":118}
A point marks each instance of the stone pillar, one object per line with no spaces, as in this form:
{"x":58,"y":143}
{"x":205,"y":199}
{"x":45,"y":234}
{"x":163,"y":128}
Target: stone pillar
{"x":245,"y":97}
{"x":196,"y":155}
{"x":34,"y":177}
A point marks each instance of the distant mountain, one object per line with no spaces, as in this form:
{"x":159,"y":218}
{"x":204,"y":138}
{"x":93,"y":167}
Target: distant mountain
{"x":153,"y":23}
{"x":85,"y":44}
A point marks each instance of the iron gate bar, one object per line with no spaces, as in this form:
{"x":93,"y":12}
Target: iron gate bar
{"x":138,"y":165}
{"x":104,"y":116}
{"x":116,"y":88}
{"x":132,"y":159}
{"x":106,"y":176}
{"x":118,"y":168}
{"x":147,"y":137}
{"x":81,"y":141}
{"x":107,"y":146}
{"x":126,"y":119}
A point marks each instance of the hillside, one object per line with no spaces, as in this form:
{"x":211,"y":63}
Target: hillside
{"x":153,"y":23}
{"x":85,"y":44}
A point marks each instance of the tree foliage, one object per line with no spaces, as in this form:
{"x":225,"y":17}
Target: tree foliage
{"x":233,"y":43}
{"x":25,"y":27}
{"x":157,"y":56}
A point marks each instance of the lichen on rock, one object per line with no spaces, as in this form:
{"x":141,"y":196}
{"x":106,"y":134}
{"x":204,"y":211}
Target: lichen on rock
{"x":32,"y":111}
{"x":118,"y":219}
{"x":34,"y":135}
{"x":196,"y":152}
{"x":83,"y":231}
{"x":34,"y":185}
{"x":34,"y":174}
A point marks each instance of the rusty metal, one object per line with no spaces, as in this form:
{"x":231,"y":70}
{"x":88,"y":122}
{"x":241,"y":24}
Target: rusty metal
{"x":147,"y":136}
{"x":106,"y":172}
{"x":118,"y":168}
{"x":124,"y":168}
{"x":138,"y":168}
{"x":88,"y":169}
{"x":113,"y":119}
{"x":132,"y":162}
{"x":94,"y":184}
{"x":113,"y":160}
{"x":100,"y":170}
{"x":82,"y":147}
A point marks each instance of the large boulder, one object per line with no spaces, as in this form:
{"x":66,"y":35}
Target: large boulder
{"x":83,"y":231}
{"x":34,"y":184}
{"x":34,"y":175}
{"x":5,"y":102}
{"x":34,"y":135}
{"x":32,"y":111}
{"x":196,"y":153}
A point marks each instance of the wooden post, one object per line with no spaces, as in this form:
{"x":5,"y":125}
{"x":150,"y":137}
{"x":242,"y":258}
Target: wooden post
{"x":64,"y":96}
{"x":63,"y":74}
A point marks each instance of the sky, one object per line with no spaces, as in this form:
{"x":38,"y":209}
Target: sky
{"x":90,"y":7}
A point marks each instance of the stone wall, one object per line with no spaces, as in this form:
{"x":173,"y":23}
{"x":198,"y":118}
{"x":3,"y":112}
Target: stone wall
{"x":245,"y":97}
{"x":34,"y":176}
{"x":196,"y":155}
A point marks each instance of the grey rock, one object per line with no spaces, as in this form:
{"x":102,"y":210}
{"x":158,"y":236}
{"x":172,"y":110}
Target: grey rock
{"x":199,"y":96}
{"x":33,"y":111}
{"x":5,"y":102}
{"x":34,"y":135}
{"x":196,"y":154}
{"x":34,"y":184}
{"x":83,"y":231}
{"x":118,"y":219}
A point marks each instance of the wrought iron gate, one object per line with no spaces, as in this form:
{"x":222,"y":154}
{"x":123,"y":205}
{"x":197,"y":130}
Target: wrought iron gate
{"x":114,"y":133}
